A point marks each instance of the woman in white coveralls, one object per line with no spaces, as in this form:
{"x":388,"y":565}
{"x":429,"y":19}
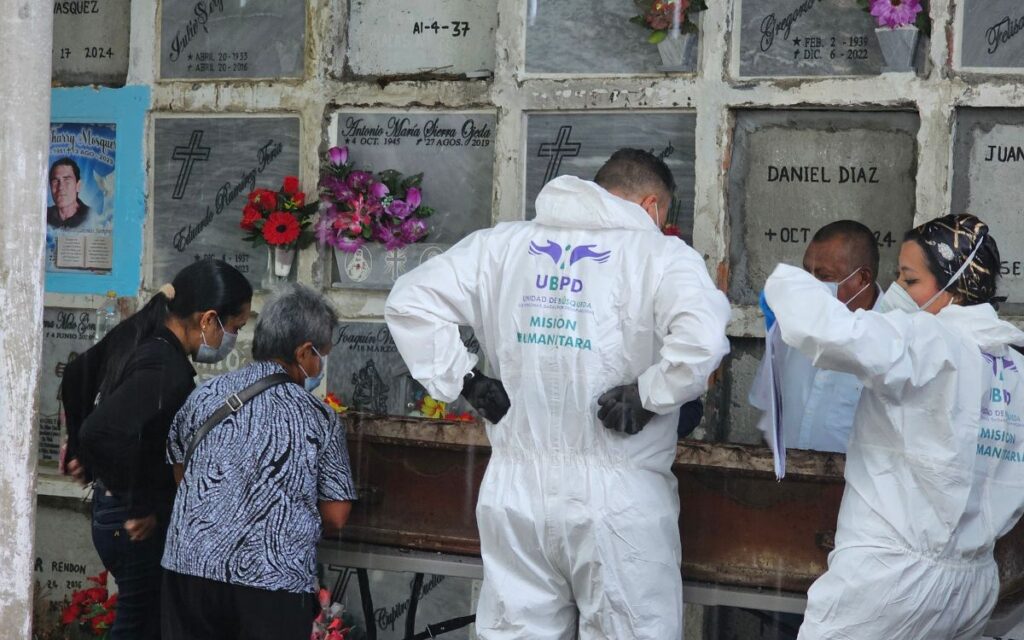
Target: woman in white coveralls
{"x":935,"y":467}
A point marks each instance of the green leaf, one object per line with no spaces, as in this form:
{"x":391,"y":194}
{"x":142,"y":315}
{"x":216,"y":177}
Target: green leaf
{"x":639,"y":20}
{"x":412,"y":181}
{"x":657,"y":37}
{"x":698,"y":5}
{"x":424,"y":211}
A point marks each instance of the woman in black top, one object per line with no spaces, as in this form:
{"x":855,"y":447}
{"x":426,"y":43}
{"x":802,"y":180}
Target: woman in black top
{"x":119,"y":399}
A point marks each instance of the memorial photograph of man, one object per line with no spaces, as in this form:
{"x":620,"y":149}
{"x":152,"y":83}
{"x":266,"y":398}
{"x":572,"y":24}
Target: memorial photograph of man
{"x":598,"y":328}
{"x":68,"y":210}
{"x":818,"y":405}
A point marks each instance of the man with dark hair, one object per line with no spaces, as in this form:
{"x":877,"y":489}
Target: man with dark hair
{"x":598,"y":328}
{"x":818,"y":405}
{"x":640,"y":177}
{"x":68,"y":210}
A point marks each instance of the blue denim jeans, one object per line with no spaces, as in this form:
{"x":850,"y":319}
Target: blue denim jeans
{"x":135,"y":567}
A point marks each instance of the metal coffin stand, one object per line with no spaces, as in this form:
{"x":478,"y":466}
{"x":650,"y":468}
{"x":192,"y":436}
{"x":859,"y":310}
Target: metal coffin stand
{"x":748,"y":541}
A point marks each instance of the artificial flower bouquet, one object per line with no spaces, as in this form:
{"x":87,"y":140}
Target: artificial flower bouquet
{"x":335,"y":403}
{"x":896,"y":14}
{"x":333,"y":623}
{"x":279,"y":218}
{"x":92,"y":610}
{"x":428,"y":407}
{"x":363,"y":207}
{"x":662,"y":17}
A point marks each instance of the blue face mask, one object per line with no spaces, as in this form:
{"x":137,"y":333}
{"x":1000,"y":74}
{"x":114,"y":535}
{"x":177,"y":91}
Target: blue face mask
{"x":312,"y":382}
{"x":210,"y":355}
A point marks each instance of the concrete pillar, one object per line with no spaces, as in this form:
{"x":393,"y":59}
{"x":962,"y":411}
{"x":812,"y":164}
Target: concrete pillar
{"x":26,"y":36}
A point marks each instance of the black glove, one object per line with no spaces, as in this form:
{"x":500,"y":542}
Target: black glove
{"x":622,"y":410}
{"x":486,"y":395}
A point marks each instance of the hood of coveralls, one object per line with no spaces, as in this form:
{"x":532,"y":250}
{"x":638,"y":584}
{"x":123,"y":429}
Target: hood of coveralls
{"x":569,"y":202}
{"x":983,"y":326}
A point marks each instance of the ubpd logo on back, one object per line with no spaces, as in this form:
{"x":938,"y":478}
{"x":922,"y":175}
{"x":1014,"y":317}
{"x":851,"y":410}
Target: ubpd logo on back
{"x":1001,"y":365}
{"x":557,"y":254}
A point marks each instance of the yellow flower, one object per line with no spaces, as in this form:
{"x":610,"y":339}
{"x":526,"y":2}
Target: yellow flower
{"x":433,"y":408}
{"x":334,"y":402}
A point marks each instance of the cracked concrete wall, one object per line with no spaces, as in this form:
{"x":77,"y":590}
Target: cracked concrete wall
{"x":25,"y":37}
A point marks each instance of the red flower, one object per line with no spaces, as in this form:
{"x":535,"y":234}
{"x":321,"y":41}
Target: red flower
{"x":264,"y":199}
{"x":281,"y":228}
{"x":299,"y":199}
{"x":250,"y":216}
{"x":100,"y":579}
{"x":672,"y":230}
{"x":291,"y":185}
{"x":96,"y":594}
{"x":70,"y":614}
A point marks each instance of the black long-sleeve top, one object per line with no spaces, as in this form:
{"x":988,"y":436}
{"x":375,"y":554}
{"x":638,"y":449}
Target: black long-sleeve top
{"x":122,"y":439}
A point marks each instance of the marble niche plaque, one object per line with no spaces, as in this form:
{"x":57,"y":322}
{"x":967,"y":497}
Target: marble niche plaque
{"x":455,"y":154}
{"x":579,"y":143}
{"x":807,"y":38}
{"x":90,"y":41}
{"x":67,"y":333}
{"x":203,"y":170}
{"x":792,"y":172}
{"x":368,"y":374}
{"x":442,"y":37}
{"x":208,"y":39}
{"x":596,"y":36}
{"x":991,"y":36}
{"x":988,"y":168}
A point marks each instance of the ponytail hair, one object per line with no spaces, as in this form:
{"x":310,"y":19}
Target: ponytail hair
{"x":201,"y":286}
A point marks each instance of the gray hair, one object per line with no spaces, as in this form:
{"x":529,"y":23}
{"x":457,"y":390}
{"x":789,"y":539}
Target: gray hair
{"x":295,"y":315}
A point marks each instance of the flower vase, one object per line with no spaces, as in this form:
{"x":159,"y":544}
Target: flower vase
{"x":673,"y":51}
{"x":898,"y":47}
{"x":279,"y":265}
{"x":284,"y":257}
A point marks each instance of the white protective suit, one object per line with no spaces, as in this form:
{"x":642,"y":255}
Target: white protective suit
{"x":817,"y":404}
{"x":935,"y":466}
{"x":578,"y":524}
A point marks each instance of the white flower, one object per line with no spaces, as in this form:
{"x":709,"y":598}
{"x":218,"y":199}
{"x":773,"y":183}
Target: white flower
{"x":945,"y":251}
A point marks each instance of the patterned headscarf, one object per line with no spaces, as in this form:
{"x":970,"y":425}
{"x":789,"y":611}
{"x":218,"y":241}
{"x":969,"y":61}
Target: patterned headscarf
{"x":949,"y":242}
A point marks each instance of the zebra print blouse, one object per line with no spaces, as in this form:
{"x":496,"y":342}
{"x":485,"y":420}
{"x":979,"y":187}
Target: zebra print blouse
{"x":246,"y":512}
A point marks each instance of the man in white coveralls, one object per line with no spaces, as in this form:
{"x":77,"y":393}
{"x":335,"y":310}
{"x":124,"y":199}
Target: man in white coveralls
{"x":599,"y":327}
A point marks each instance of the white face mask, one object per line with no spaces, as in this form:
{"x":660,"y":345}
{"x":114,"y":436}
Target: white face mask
{"x":834,"y":287}
{"x":896,"y":297}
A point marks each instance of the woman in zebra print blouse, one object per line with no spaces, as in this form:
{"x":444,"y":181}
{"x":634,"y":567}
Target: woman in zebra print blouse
{"x":240,"y":559}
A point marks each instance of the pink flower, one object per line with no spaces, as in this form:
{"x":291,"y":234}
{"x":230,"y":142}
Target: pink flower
{"x":412,"y":230}
{"x":895,"y":13}
{"x":413,"y":198}
{"x":324,"y":230}
{"x":348,"y":245}
{"x":337,"y":155}
{"x":379,"y":190}
{"x":387,"y":237}
{"x":400,"y":209}
{"x":359,"y":180}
